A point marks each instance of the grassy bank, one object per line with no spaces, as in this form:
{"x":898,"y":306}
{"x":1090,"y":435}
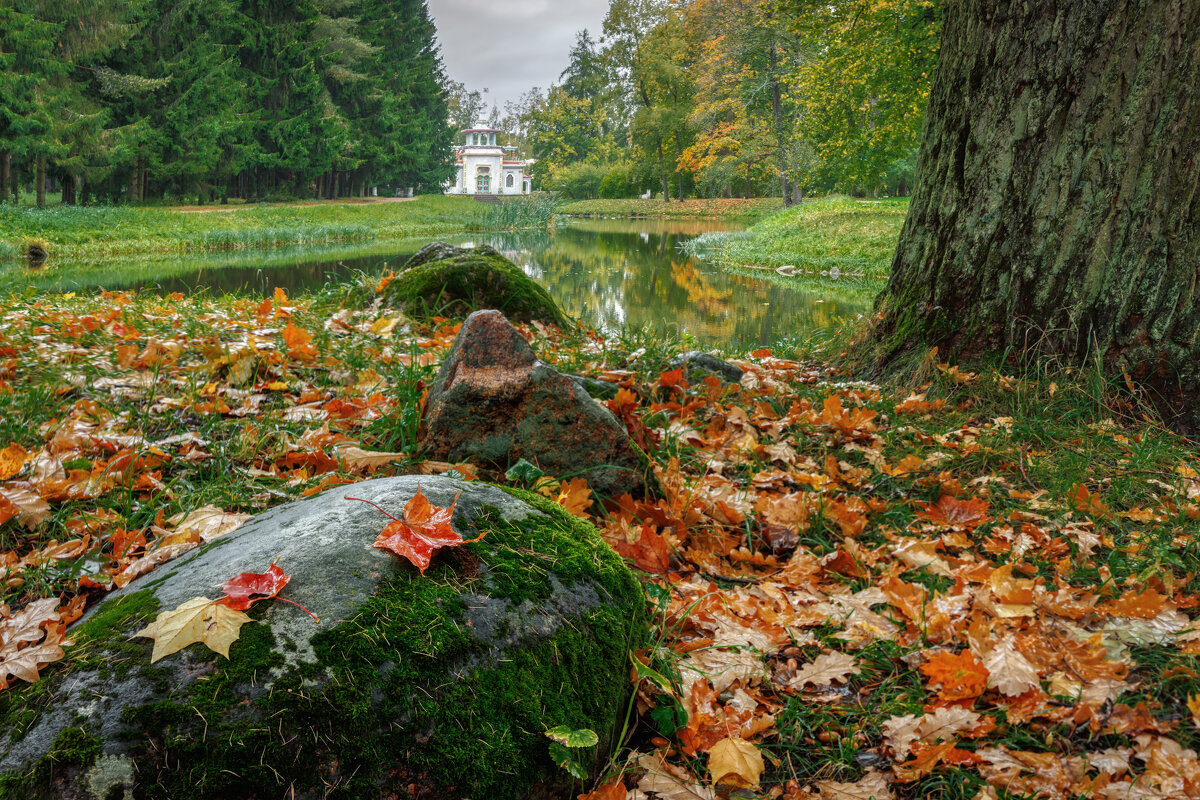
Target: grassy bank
{"x":101,"y":231}
{"x":855,"y":237}
{"x":741,"y":210}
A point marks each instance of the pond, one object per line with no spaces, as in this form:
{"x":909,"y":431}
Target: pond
{"x":608,"y":273}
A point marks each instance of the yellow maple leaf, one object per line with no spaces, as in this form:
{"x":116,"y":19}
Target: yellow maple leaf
{"x":198,"y":620}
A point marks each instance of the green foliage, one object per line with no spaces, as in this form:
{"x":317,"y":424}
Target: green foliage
{"x":222,"y":98}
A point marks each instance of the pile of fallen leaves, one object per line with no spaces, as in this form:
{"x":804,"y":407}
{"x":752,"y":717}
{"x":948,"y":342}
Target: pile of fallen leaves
{"x":855,"y":595}
{"x":857,"y":599}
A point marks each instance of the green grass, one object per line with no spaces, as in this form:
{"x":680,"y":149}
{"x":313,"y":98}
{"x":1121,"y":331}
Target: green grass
{"x":746,"y":210}
{"x":855,"y":237}
{"x":75,"y":232}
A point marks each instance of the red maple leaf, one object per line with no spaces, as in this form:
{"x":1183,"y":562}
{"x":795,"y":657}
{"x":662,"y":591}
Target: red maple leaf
{"x":249,"y":587}
{"x":424,"y":530}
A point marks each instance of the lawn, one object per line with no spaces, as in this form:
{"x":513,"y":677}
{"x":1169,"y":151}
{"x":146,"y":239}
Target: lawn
{"x":857,"y":238}
{"x":78,"y":233}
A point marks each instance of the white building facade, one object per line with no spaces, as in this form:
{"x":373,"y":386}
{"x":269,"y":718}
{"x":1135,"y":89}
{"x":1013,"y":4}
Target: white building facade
{"x":484,"y":167}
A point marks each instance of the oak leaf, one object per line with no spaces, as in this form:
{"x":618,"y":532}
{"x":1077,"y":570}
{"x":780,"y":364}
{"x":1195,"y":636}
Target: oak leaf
{"x":31,"y":509}
{"x":1008,"y":670}
{"x":902,"y":733}
{"x":24,"y":663}
{"x":670,"y":782}
{"x":872,"y":786}
{"x":356,"y":459}
{"x":735,"y":762}
{"x":825,"y":669}
{"x":958,"y":677}
{"x":198,"y":620}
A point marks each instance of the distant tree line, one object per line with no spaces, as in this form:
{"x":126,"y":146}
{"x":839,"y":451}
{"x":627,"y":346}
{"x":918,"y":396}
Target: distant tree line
{"x":733,"y":98}
{"x":213,"y":99}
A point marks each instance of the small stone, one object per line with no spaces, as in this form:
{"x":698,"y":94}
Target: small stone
{"x":494,"y":402}
{"x":697,"y":365}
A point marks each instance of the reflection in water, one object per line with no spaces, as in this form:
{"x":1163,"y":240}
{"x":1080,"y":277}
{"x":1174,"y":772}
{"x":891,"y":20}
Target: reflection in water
{"x":609,"y":273}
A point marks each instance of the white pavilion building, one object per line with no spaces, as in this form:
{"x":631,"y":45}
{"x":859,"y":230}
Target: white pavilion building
{"x":487,"y":168}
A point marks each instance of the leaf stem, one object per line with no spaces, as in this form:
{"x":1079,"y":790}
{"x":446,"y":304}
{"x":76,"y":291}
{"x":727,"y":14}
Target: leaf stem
{"x":368,"y":502}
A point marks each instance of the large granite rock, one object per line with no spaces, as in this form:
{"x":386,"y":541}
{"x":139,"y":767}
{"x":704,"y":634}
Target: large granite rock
{"x":452,"y":281}
{"x":493,"y":401}
{"x":444,"y":683}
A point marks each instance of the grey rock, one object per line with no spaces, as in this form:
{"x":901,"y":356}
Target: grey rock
{"x":699,"y":365}
{"x":399,"y":659}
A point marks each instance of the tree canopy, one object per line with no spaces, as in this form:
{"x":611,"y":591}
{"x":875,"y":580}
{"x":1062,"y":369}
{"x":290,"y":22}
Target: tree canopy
{"x":217,"y":98}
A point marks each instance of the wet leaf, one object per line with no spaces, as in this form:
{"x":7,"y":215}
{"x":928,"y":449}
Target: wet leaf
{"x":198,"y":620}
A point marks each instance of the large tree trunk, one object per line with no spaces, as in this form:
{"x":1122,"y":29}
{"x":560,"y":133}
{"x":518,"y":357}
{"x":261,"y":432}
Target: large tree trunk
{"x":39,"y":181}
{"x":1058,"y":190}
{"x":781,"y":160}
{"x":663,"y":174}
{"x":5,"y":172}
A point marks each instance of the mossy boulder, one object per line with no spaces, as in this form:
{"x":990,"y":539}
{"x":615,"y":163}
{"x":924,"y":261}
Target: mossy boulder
{"x":444,"y":682}
{"x":452,"y":282}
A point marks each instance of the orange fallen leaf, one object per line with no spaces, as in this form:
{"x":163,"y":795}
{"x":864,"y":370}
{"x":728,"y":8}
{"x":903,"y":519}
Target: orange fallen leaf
{"x":951,"y":511}
{"x":424,"y":530}
{"x":12,"y":460}
{"x":958,"y":677}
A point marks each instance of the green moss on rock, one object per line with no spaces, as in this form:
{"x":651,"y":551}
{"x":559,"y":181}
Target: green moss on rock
{"x":452,"y":282}
{"x":447,"y":680}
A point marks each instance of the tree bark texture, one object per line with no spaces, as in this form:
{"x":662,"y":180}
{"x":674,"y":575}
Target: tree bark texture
{"x":1057,"y":195}
{"x":39,"y":181}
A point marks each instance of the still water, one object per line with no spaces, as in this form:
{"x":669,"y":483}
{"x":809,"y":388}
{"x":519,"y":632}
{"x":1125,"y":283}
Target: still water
{"x":608,"y":273}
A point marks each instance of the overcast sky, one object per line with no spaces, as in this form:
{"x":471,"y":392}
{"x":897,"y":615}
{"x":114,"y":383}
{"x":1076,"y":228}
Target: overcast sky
{"x":508,"y":46}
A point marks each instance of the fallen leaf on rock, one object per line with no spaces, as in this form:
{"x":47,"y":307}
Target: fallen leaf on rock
{"x":209,"y":522}
{"x":424,"y":530}
{"x":25,"y":662}
{"x":735,"y":762}
{"x":249,"y":587}
{"x":198,"y":620}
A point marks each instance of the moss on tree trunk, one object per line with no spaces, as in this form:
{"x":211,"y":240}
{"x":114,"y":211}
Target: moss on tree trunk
{"x":1058,"y":191}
